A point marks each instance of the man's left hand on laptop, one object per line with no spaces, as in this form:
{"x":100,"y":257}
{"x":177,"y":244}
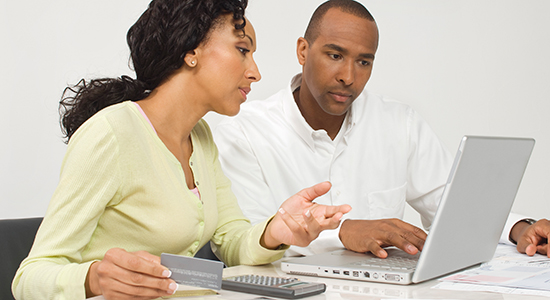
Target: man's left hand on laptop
{"x":372,"y":235}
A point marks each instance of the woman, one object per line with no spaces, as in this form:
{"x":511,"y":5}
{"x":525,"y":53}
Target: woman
{"x":142,"y":177}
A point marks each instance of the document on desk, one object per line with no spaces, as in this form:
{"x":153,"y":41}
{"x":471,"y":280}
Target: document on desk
{"x":508,"y":272}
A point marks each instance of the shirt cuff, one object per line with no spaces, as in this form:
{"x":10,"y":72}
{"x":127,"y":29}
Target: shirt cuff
{"x":513,"y":218}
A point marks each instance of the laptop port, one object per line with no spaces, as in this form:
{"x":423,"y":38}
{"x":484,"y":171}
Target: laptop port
{"x":366,"y":274}
{"x":346,"y":273}
{"x":392,"y":277}
{"x":355,"y":273}
{"x":336,"y":271}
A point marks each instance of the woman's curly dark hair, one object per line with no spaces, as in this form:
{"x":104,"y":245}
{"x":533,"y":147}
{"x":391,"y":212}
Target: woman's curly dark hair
{"x":158,"y":41}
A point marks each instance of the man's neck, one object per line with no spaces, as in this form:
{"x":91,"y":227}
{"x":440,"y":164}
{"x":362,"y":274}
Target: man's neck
{"x":316,"y":117}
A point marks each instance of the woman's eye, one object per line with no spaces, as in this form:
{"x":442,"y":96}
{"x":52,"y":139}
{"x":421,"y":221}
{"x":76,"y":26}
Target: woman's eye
{"x":244,"y":51}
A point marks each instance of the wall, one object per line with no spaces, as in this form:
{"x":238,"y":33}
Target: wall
{"x":468,"y":67}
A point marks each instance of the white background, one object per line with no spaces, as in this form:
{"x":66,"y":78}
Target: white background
{"x":468,"y":67}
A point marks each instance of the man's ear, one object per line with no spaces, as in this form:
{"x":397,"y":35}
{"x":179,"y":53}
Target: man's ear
{"x":302,"y":47}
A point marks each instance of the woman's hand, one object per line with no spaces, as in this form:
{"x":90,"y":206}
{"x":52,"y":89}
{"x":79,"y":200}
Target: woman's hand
{"x":124,"y":275}
{"x":299,"y":220}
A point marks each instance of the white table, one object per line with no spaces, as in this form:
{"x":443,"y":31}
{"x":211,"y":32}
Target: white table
{"x":340,"y":289}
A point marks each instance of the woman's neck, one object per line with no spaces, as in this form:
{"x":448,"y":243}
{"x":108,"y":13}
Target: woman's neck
{"x":174,"y":110}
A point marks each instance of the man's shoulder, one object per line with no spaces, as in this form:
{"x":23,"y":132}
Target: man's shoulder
{"x":265,"y":111}
{"x":257,"y":120}
{"x":272,"y":103}
{"x":370,"y":101}
{"x":380,"y":99}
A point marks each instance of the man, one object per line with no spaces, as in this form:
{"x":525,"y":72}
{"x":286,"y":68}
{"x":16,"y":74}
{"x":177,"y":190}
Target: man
{"x":378,"y":153}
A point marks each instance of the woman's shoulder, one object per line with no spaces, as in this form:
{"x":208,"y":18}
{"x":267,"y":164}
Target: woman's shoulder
{"x":124,"y":109}
{"x":116,"y":127}
{"x":111,"y":118}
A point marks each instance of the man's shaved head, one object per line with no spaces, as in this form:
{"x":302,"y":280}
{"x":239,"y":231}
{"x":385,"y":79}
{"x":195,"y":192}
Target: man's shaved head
{"x":348,"y":6}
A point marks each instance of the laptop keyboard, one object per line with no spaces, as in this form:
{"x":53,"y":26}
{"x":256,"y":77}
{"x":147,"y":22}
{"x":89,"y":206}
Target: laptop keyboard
{"x":391,"y":262}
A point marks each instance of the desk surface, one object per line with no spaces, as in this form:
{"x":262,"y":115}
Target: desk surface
{"x":349,"y":289}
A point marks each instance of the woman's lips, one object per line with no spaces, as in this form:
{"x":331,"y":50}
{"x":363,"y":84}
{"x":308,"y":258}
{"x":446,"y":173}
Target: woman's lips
{"x":244,"y":92}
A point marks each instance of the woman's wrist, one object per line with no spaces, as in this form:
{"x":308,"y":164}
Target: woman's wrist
{"x":267,"y":240}
{"x":91,"y":284}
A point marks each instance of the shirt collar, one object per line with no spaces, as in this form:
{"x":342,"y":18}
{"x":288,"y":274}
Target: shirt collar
{"x":296,"y":120}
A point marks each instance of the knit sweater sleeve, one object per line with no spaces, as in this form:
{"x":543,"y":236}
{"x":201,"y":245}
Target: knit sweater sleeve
{"x":89,"y":181}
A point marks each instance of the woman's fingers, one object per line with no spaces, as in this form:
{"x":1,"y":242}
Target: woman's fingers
{"x":124,"y":275}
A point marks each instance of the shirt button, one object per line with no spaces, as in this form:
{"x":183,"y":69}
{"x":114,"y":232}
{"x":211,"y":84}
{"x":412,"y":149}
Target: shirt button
{"x":199,"y":205}
{"x":201,"y":223}
{"x":196,"y":243}
{"x":197,"y":183}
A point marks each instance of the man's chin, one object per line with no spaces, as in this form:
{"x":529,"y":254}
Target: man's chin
{"x":340,"y":109}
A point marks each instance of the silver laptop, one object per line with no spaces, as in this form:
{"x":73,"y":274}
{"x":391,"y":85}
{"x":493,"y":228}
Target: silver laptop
{"x":475,"y":204}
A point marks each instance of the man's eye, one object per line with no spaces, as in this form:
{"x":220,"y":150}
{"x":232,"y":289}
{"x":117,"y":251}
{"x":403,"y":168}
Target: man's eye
{"x":365,"y":63}
{"x":335,"y":56}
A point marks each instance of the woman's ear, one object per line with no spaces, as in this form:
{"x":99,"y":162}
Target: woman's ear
{"x":191,"y":59}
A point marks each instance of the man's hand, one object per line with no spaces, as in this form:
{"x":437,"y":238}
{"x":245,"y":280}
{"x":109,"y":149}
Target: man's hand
{"x":532,"y":238}
{"x":372,"y":235}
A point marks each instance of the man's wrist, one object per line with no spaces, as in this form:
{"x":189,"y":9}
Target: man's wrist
{"x":528,"y":222}
{"x":343,"y":226}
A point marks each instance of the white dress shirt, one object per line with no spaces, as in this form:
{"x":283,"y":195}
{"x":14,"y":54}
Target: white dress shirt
{"x":384,"y":156}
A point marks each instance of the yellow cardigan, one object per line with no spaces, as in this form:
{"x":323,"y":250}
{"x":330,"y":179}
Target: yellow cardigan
{"x":121,"y":187}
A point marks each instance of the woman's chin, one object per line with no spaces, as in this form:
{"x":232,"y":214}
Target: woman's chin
{"x":233,"y":111}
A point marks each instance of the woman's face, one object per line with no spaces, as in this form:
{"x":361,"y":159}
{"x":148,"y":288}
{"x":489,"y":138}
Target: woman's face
{"x":225,"y":68}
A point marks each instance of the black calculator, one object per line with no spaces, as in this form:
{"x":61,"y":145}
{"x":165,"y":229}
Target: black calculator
{"x":282,"y":287}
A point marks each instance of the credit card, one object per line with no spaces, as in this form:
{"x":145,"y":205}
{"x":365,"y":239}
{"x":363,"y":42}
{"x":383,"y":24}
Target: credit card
{"x":192,"y":271}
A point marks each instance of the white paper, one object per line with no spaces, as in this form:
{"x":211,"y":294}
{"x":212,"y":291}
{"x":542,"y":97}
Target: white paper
{"x":508,"y":272}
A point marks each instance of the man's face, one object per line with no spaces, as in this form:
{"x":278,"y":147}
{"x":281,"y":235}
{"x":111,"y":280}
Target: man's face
{"x":338,"y":64}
